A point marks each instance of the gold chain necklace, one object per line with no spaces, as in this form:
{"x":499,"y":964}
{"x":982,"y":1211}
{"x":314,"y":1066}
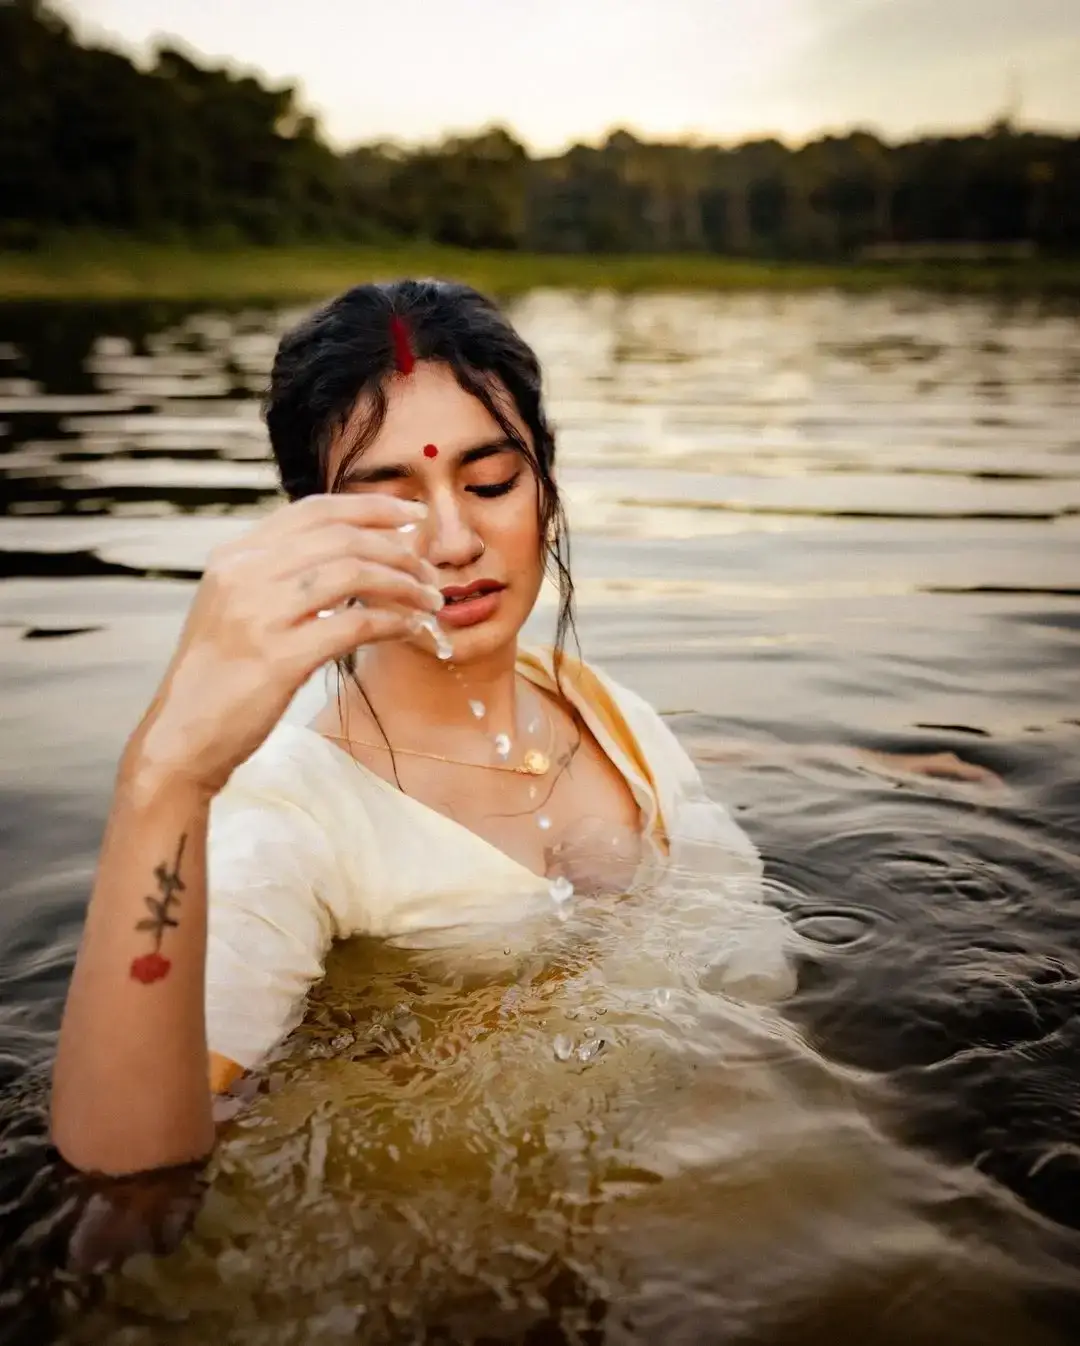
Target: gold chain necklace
{"x":534,"y":762}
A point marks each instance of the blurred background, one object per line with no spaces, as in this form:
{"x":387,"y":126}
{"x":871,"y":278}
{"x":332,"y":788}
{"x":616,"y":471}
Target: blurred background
{"x":814,"y":130}
{"x":804,"y":277}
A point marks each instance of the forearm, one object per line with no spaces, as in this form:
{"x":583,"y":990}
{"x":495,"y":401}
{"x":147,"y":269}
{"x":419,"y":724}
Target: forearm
{"x":130,"y":1087}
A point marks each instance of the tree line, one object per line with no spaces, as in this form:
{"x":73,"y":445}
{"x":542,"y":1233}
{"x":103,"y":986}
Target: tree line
{"x":183,"y":150}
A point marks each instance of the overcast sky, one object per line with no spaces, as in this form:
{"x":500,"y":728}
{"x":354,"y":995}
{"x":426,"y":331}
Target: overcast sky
{"x":565,"y":70}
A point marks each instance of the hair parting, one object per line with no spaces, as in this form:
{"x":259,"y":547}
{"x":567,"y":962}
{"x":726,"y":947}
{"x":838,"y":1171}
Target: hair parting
{"x":404,"y":359}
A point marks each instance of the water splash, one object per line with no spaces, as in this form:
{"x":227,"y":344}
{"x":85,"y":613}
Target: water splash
{"x":563,"y":1046}
{"x":589,"y":1049}
{"x":561,"y":890}
{"x":566,"y":1049}
{"x":443,"y":649}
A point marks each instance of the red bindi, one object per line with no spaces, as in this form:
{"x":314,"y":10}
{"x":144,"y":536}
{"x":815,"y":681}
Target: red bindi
{"x":430,"y":451}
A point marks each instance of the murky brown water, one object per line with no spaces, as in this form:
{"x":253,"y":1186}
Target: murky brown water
{"x":808,"y":522}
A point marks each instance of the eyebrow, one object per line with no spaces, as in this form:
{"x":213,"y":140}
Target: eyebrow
{"x":361,"y":475}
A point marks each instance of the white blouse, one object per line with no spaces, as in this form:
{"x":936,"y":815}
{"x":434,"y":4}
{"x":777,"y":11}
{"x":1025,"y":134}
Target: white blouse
{"x":308,"y":846}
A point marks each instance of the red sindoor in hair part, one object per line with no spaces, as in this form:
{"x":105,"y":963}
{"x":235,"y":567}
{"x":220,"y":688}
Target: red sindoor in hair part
{"x":404,"y":359}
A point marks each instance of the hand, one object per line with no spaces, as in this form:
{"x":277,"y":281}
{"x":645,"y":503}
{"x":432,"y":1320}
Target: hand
{"x":253,"y":637}
{"x":942,"y":765}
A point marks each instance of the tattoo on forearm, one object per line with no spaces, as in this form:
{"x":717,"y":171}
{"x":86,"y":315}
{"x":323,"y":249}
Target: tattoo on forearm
{"x":153,"y":966}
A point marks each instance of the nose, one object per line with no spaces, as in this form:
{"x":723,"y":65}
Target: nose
{"x":453,"y":542}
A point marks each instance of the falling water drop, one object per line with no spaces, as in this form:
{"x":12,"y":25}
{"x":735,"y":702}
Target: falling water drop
{"x":502,"y":745}
{"x":443,"y":649}
{"x":478,"y":709}
{"x":543,"y":822}
{"x":561,"y":890}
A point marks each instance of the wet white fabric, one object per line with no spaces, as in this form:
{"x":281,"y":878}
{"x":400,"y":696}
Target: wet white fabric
{"x":308,"y":846}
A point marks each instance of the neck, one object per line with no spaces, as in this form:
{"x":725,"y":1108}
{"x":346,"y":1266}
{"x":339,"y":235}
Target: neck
{"x":414,"y":693}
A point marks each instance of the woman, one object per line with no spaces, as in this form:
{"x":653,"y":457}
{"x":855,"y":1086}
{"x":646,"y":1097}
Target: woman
{"x":428,"y":796}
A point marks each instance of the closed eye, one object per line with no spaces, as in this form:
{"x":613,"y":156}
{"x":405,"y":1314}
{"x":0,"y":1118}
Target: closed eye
{"x":495,"y":488}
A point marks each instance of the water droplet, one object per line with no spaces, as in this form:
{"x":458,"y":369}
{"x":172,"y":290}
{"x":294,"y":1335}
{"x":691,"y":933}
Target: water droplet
{"x":533,"y":727}
{"x":409,"y":528}
{"x":561,"y":890}
{"x":543,"y":822}
{"x":478,"y":709}
{"x":325,"y":612}
{"x":502,"y":745}
{"x":662,"y":997}
{"x":533,"y":792}
{"x":563,"y":1047}
{"x":443,"y":648}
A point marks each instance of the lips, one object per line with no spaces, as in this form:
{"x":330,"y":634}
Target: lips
{"x":455,"y":593}
{"x":470,"y":604}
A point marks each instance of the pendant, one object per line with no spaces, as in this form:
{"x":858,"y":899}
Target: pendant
{"x":535,"y":763}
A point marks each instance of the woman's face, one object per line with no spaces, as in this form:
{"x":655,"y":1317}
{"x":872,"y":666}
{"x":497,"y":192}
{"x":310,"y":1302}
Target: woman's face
{"x":439,"y":445}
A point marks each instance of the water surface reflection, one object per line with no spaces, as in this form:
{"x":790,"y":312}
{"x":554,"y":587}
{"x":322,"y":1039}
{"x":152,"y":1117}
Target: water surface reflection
{"x":803,"y":523}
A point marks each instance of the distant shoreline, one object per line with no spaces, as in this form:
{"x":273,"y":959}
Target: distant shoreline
{"x":75,"y":269}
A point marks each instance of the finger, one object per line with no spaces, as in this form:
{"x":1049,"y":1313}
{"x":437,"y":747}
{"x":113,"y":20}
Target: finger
{"x":383,"y":546}
{"x":315,"y":643}
{"x":368,"y":509}
{"x":331,"y":584}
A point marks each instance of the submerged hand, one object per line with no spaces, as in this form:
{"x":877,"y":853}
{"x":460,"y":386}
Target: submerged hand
{"x":940,"y":765}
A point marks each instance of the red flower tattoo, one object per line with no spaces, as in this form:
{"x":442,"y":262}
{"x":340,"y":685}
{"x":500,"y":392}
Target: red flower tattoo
{"x":151,"y":967}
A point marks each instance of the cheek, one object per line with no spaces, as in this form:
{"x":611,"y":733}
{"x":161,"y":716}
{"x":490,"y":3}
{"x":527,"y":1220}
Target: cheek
{"x":519,"y":535}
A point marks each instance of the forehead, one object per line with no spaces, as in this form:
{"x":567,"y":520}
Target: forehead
{"x":430,"y":407}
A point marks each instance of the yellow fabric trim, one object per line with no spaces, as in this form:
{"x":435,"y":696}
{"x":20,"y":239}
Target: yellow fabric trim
{"x":588,"y":691}
{"x":222,"y":1072}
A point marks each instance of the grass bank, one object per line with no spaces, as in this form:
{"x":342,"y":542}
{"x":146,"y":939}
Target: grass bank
{"x":87,"y":269}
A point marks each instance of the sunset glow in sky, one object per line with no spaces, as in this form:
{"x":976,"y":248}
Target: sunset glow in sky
{"x":562,"y":70}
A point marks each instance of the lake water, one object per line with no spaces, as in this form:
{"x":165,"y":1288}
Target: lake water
{"x":802,"y":524}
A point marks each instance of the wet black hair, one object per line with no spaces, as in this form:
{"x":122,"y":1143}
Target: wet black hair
{"x":346,"y":351}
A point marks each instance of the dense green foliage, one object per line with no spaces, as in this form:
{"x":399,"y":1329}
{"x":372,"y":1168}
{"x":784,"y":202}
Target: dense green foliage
{"x":181,"y":151}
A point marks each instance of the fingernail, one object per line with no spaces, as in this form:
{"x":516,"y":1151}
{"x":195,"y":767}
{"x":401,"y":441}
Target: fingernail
{"x":436,"y":597}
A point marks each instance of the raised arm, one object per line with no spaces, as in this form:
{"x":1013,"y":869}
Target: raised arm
{"x":131,"y":1085}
